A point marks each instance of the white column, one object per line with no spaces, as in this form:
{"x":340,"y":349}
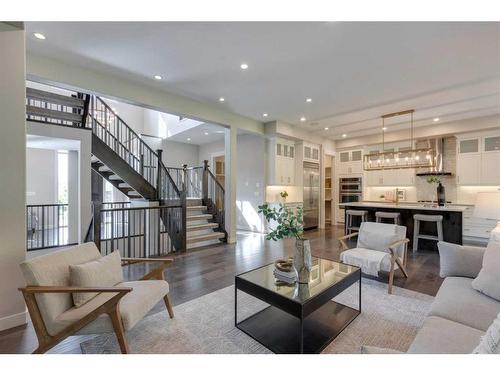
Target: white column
{"x":73,"y":197}
{"x":12,"y":175}
{"x":230,"y":172}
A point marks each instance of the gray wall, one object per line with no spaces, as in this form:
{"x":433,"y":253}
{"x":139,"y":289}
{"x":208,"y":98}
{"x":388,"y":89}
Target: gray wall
{"x":207,"y":150}
{"x":12,"y":176}
{"x":41,"y":176}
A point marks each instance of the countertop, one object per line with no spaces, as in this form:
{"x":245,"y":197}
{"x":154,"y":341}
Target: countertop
{"x":407,"y":206}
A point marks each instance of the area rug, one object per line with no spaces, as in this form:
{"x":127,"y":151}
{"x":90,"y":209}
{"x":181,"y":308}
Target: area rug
{"x":206,"y":324}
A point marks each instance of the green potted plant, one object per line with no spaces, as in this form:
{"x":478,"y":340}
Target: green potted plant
{"x":290,"y":224}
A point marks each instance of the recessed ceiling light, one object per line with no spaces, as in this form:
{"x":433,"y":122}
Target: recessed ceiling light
{"x":220,"y":131}
{"x":158,"y":77}
{"x":221,"y":99}
{"x":264,"y":115}
{"x":302,"y":119}
{"x":189,"y":139}
{"x":206,"y":133}
{"x":308,"y":100}
{"x":244,"y":66}
{"x":39,"y":36}
{"x":344,"y":135}
{"x":436,"y":119}
{"x":384,"y":128}
{"x":326,"y":128}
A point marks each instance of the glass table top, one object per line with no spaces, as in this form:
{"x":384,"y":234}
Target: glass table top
{"x":324,"y":274}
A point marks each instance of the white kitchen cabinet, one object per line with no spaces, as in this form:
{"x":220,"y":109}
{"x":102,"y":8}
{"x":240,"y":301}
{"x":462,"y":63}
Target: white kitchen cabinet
{"x":490,"y":160}
{"x":391,"y":177}
{"x":281,"y":169}
{"x":469,"y":169}
{"x":350,"y":162}
{"x":311,"y":153}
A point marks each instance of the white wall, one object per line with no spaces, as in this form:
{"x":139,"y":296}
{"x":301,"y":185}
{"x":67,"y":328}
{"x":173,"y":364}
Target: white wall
{"x":84,"y":139}
{"x":207,"y":150}
{"x":41,"y":176}
{"x":251,"y":181}
{"x":12,"y":175}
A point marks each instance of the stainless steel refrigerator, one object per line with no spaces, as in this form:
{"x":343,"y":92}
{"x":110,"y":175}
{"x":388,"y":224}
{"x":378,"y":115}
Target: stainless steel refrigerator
{"x":311,"y":195}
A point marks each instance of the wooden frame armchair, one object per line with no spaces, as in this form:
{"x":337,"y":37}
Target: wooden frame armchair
{"x":396,"y":250}
{"x":55,"y":318}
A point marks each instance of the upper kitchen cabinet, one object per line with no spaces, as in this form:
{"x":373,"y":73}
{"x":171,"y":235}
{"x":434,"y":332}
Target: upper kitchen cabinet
{"x":478,"y":159}
{"x":311,"y":153}
{"x":350,"y":162}
{"x":281,"y":169}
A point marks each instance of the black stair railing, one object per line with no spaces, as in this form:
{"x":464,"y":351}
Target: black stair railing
{"x":213,"y":196}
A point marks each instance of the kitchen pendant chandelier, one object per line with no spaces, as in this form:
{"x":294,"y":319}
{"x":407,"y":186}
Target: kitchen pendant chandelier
{"x":404,"y":157}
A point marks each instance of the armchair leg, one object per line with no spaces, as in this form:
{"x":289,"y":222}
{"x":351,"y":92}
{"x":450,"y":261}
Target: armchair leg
{"x":116,"y":319}
{"x":168,"y":305}
{"x":402,"y":267}
{"x":391,"y":276}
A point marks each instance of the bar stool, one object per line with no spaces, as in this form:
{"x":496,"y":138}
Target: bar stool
{"x":363,"y":215}
{"x":394,"y":216}
{"x":417,"y":218}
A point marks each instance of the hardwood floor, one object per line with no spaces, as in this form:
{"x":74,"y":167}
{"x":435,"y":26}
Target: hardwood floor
{"x":202,"y":271}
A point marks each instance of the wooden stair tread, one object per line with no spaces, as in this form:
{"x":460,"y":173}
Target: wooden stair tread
{"x":201,"y":208}
{"x":199,"y":217}
{"x":205,"y":237}
{"x":201,"y":226}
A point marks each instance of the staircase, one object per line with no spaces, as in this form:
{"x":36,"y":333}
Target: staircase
{"x":121,"y":157}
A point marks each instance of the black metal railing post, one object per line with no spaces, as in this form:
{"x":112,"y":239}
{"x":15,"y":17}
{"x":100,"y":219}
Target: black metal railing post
{"x":97,"y":224}
{"x":159,"y":153}
{"x":204,"y":182}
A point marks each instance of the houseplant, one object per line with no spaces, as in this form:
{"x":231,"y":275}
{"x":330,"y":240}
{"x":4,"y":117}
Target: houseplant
{"x":289,"y":223}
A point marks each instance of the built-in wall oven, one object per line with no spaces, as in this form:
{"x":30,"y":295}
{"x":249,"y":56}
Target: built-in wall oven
{"x":350,"y":189}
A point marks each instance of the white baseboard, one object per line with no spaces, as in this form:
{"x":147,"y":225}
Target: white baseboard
{"x":12,"y":321}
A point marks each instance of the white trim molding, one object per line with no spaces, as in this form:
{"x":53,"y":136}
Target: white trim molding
{"x":14,"y":320}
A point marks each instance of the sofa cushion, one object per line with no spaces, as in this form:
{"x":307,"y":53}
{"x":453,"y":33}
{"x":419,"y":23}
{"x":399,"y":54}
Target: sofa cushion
{"x":456,"y":300}
{"x":456,"y":260}
{"x":53,"y":270}
{"x":105,"y":271}
{"x":488,"y":280}
{"x":490,"y":342}
{"x":134,"y":306}
{"x":442,"y":336}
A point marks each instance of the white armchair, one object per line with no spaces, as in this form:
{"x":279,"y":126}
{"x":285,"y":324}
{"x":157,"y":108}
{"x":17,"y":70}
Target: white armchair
{"x":116,"y":308}
{"x":380,"y":247}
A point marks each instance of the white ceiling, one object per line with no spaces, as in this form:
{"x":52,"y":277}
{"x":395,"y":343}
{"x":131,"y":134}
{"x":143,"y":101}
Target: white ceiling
{"x":200,"y":135}
{"x":50,"y":143}
{"x":354,"y":72}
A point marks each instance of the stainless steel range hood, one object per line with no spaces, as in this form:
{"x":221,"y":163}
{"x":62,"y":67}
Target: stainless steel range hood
{"x":438,"y":145}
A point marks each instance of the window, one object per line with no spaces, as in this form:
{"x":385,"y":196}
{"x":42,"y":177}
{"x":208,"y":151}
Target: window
{"x":62,"y":176}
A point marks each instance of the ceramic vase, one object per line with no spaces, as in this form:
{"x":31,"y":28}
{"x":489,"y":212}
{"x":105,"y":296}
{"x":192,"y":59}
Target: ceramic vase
{"x":302,"y":261}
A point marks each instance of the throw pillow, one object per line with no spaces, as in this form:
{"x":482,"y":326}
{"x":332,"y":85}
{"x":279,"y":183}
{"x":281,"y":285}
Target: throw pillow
{"x":104,"y":272}
{"x":490,"y":342}
{"x":457,"y":260}
{"x":488,"y":280}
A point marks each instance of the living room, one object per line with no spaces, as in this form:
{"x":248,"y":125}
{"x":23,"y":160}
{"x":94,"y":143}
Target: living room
{"x":197,"y":187}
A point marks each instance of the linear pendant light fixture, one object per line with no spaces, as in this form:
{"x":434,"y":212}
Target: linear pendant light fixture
{"x":403,"y":158}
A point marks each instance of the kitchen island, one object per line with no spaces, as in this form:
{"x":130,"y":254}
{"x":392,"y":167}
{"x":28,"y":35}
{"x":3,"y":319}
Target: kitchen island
{"x":452,"y":219}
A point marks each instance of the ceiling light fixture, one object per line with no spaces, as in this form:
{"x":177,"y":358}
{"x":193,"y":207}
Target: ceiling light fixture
{"x":326,"y":128}
{"x":220,"y":131}
{"x":308,"y":100}
{"x":157,"y":77}
{"x":344,"y":135}
{"x":221,"y":99}
{"x":206,"y":133}
{"x":244,"y":66}
{"x":39,"y":36}
{"x":410,"y":157}
{"x":302,"y":119}
{"x":436,"y":119}
{"x":189,"y":139}
{"x":264,"y":115}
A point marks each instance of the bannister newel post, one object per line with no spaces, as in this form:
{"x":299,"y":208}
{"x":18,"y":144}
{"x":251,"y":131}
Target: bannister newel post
{"x":141,"y":166}
{"x":158,"y":174}
{"x":204,"y":182}
{"x":184,"y":177}
{"x":184,"y":221}
{"x":97,"y":224}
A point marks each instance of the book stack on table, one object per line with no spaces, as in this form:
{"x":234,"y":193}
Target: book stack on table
{"x":287,"y":277}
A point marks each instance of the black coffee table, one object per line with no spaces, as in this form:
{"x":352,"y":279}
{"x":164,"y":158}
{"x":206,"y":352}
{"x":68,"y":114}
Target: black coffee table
{"x":300,"y":318}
